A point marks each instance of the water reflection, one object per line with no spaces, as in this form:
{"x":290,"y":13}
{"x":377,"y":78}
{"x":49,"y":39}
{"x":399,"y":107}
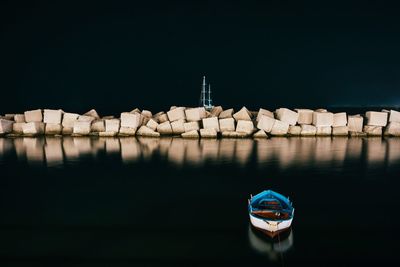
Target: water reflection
{"x":273,"y":249}
{"x":283,"y":152}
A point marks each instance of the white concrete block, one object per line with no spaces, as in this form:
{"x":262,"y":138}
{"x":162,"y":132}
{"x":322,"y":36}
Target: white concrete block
{"x":215,"y":111}
{"x":176,"y":114}
{"x":177,"y":126}
{"x":82,"y":127}
{"x":324,"y":130}
{"x":152,"y":124}
{"x":308,"y":130}
{"x":280,"y":128}
{"x":208,"y":133}
{"x":127,"y":131}
{"x":340,"y":131}
{"x":339,"y":119}
{"x":226,"y":114}
{"x":191,"y":134}
{"x":394,"y":116}
{"x":86,"y":118}
{"x":242,"y":114}
{"x":227,"y":124}
{"x":322,"y":119}
{"x":355,"y":123}
{"x":375,"y":118}
{"x":146,"y":131}
{"x":245,"y":126}
{"x":6,"y":126}
{"x":92,"y":113}
{"x":234,"y":134}
{"x":107,"y":134}
{"x":19,"y":118}
{"x":211,"y":123}
{"x":265,"y":112}
{"x":265,"y":123}
{"x":17,"y":127}
{"x":131,"y":120}
{"x":392,"y":129}
{"x":164,"y":128}
{"x":112,"y":125}
{"x":371,"y":130}
{"x":195,"y":114}
{"x":98,"y":126}
{"x":9,"y":117}
{"x":162,"y":118}
{"x":52,"y":116}
{"x":294,"y":130}
{"x":305,"y":116}
{"x":33,"y":115}
{"x":69,"y":119}
{"x":52,"y":128}
{"x":147,"y":114}
{"x":191,"y":126}
{"x":33,"y":128}
{"x":287,"y":115}
{"x":260,"y":134}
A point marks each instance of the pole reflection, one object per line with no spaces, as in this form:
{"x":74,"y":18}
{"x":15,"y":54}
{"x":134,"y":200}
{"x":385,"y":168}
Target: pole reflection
{"x":285,"y":153}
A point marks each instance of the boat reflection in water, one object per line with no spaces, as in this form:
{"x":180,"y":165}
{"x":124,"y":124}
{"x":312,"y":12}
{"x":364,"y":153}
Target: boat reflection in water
{"x":282,"y":152}
{"x":274,"y":249}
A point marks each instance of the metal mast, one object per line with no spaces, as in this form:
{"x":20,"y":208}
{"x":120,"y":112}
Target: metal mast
{"x":209,"y":96}
{"x":203,"y":92}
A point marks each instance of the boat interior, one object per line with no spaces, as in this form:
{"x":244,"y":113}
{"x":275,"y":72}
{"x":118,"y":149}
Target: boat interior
{"x":271,"y":209}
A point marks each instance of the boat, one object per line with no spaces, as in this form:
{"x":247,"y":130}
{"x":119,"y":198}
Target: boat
{"x":270,"y":212}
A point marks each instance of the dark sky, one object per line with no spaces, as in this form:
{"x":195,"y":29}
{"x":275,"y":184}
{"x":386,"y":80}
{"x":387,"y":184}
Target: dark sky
{"x":116,"y":56}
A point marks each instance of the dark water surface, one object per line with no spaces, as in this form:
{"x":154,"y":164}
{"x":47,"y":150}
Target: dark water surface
{"x":169,"y":201}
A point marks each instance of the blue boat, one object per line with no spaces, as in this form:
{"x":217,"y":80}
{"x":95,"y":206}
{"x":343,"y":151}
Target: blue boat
{"x":270,"y":212}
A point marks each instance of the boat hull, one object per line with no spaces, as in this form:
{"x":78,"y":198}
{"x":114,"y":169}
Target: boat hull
{"x":269,"y":227}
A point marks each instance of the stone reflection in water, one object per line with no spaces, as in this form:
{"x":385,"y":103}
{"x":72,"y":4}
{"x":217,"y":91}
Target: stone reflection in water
{"x":273,"y":249}
{"x":282,"y":152}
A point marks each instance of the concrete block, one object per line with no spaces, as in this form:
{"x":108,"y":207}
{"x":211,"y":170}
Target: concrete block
{"x":33,"y":115}
{"x":340,"y":131}
{"x":69,"y":119}
{"x":371,"y":130}
{"x":211,"y":123}
{"x":227,"y":124}
{"x":234,"y":134}
{"x":9,"y":117}
{"x":322,"y":119}
{"x":98,"y":126}
{"x":355,"y":123}
{"x":215,"y":111}
{"x":145,"y":121}
{"x":52,"y":116}
{"x":67,"y":130}
{"x":392,"y":129}
{"x":136,"y":110}
{"x":245,"y":126}
{"x":107,"y":134}
{"x":191,"y":134}
{"x":226,"y":114}
{"x":33,"y":128}
{"x":146,"y":131}
{"x":375,"y":118}
{"x":112,"y":125}
{"x":131,"y":120}
{"x":260,"y":134}
{"x":321,"y":110}
{"x":324,"y":131}
{"x":242,"y":114}
{"x":357,"y":134}
{"x":176,"y":114}
{"x":147,"y":114}
{"x":294,"y":130}
{"x":6,"y":126}
{"x":308,"y":130}
{"x":195,"y":114}
{"x":280,"y":128}
{"x":86,"y":118}
{"x":127,"y":131}
{"x":164,"y":128}
{"x":191,"y":126}
{"x":152,"y":124}
{"x":177,"y":126}
{"x":265,"y":123}
{"x":162,"y":118}
{"x":92,"y":113}
{"x":339,"y":119}
{"x":109,"y":117}
{"x":82,"y":127}
{"x":265,"y":112}
{"x":305,"y":116}
{"x":394,"y":116}
{"x":208,"y":133}
{"x":17,"y":127}
{"x":52,"y":128}
{"x":172,"y":107}
{"x":287,"y":115}
{"x":19,"y":118}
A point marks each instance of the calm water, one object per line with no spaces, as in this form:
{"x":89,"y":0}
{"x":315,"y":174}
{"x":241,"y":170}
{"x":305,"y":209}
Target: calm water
{"x":169,"y":201}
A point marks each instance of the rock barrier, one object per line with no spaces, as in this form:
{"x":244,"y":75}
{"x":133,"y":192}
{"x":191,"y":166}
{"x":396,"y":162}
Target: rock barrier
{"x":197,"y":122}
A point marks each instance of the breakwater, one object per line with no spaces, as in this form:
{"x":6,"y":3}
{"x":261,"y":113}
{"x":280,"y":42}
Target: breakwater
{"x":199,"y":123}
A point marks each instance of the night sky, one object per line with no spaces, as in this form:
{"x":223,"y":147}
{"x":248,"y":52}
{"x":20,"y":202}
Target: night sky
{"x":116,"y":56}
